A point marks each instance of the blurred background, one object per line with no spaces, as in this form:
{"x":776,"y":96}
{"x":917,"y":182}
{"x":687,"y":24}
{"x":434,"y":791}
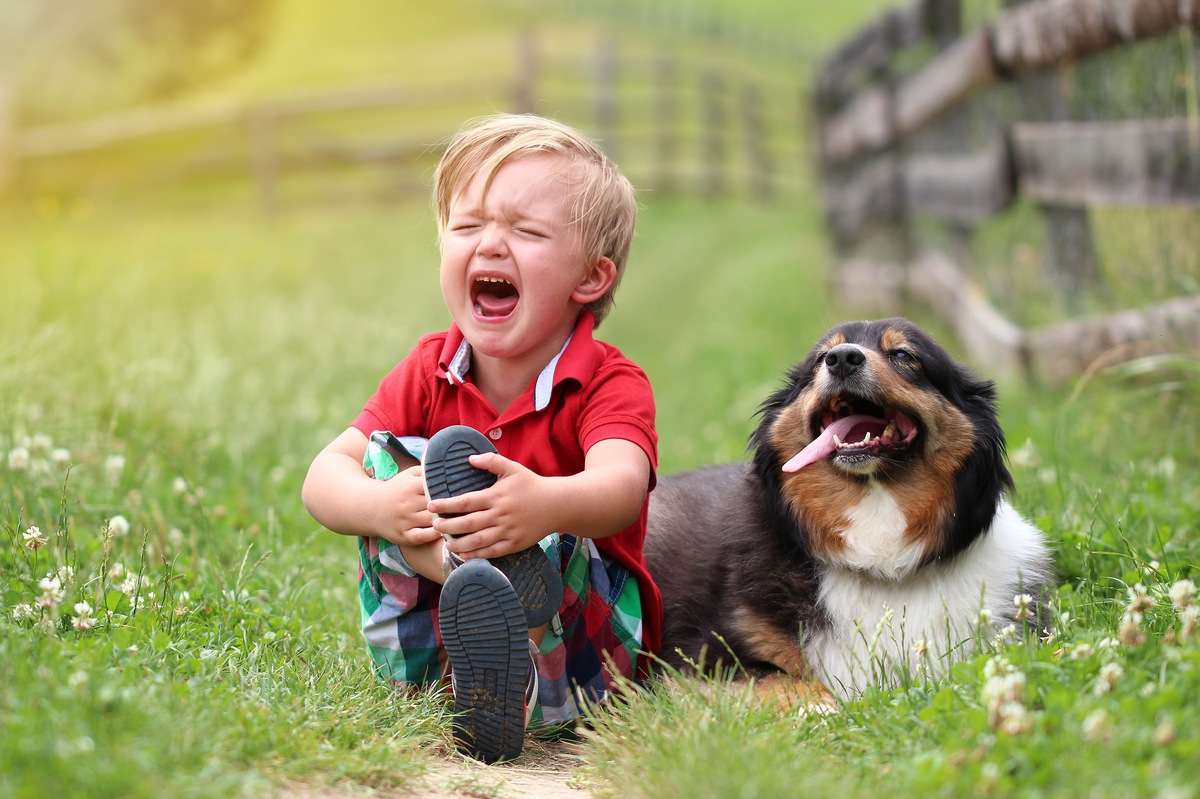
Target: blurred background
{"x":275,"y":103}
{"x":216,"y":238}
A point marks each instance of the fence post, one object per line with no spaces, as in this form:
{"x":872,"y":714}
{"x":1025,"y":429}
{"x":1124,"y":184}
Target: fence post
{"x":1069,"y":261}
{"x":761,"y":186}
{"x":665,"y":122}
{"x":606,"y":94}
{"x":8,"y":136}
{"x":264,"y":155}
{"x":527,"y":58}
{"x":713,"y":94}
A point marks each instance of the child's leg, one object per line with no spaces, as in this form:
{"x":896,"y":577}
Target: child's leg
{"x":399,"y":607}
{"x":596,"y":638}
{"x":449,"y":474}
{"x":483,"y":626}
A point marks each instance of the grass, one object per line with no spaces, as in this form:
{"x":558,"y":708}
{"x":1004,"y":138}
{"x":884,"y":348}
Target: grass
{"x":169,"y":366}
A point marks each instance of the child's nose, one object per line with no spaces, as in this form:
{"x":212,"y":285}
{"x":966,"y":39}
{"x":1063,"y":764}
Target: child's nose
{"x":491,"y":241}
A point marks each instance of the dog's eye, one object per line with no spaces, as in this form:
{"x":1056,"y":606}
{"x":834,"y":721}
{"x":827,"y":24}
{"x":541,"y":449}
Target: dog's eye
{"x":902,"y":357}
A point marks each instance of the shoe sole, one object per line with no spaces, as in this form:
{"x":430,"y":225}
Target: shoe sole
{"x":445,"y":466}
{"x":483,"y":630}
{"x":533,"y":576}
{"x":536,"y":581}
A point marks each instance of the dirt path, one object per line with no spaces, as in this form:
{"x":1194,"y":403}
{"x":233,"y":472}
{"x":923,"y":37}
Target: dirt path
{"x":544,"y":771}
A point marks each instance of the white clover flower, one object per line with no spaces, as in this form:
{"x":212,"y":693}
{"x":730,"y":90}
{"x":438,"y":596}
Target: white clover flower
{"x":1006,"y":635}
{"x":1139,"y":599}
{"x":42,"y":442}
{"x":118,"y":526}
{"x":179,"y":487}
{"x":114,"y":466}
{"x":1082,"y":650}
{"x":1024,"y":456}
{"x":129,"y":586}
{"x":116,"y":572}
{"x":83,"y":619}
{"x":24,"y":612}
{"x":18,"y":459}
{"x":34,"y":539}
{"x":65,"y":574}
{"x":1130,"y":633}
{"x":1003,"y":692}
{"x":1023,"y":601}
{"x":920,"y":648}
{"x":1096,"y":726}
{"x":176,"y":538}
{"x":52,"y":592}
{"x":60,"y":457}
{"x":1014,"y":719}
{"x":1110,"y":675}
{"x":1190,"y":618}
{"x":1164,"y":734}
{"x":1182,"y":593}
{"x":985,"y":617}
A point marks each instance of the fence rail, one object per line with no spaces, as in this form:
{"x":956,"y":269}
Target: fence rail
{"x":877,"y":180}
{"x":699,"y":130}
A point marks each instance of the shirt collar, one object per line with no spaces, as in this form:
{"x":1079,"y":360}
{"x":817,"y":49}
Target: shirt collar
{"x":578,"y":363}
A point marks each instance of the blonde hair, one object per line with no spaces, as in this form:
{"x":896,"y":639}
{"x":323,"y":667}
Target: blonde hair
{"x":605,"y":204}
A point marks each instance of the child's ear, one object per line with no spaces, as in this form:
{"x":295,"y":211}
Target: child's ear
{"x":598,"y":280}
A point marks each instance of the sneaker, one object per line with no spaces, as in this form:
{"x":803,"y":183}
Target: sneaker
{"x":445,"y":467}
{"x":483,"y":630}
{"x":534,"y":577}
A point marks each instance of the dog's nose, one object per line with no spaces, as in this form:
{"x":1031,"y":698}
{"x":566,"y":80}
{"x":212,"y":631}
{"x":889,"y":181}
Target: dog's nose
{"x":844,"y":360}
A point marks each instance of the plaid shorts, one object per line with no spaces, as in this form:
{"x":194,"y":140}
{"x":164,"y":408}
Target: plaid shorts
{"x":596,"y":633}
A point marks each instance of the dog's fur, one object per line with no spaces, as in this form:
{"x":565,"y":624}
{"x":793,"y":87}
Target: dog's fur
{"x":870,"y":561}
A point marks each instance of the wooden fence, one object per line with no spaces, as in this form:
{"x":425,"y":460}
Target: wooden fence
{"x":874,"y":108}
{"x":676,"y":120}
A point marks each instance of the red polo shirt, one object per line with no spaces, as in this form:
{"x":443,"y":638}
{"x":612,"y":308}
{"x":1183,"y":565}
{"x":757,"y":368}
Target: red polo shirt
{"x":590,"y":392}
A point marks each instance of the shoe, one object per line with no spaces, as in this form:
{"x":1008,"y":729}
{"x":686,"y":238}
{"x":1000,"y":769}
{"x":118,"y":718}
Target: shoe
{"x":534,"y":577}
{"x":483,"y":630}
{"x":445,"y":467}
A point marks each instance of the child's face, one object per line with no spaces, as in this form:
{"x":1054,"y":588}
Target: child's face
{"x":513,"y":273}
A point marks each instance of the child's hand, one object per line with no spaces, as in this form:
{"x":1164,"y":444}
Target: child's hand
{"x":507,"y":517}
{"x":405,"y":518}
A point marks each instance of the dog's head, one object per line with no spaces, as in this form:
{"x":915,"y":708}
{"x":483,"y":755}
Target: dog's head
{"x":879,"y":433}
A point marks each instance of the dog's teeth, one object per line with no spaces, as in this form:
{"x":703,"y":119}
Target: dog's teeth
{"x":837,"y":442}
{"x":889,"y":431}
{"x":867,"y":438}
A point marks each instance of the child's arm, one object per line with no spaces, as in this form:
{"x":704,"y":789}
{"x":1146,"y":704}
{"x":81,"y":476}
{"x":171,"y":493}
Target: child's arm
{"x":343,"y":498}
{"x":523,"y":507}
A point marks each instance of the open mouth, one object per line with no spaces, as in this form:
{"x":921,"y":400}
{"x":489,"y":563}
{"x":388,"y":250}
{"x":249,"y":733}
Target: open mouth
{"x":855,"y":431}
{"x":494,"y":297}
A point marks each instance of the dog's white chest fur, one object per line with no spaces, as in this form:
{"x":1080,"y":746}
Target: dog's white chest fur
{"x":880,"y":626}
{"x":874,"y":536}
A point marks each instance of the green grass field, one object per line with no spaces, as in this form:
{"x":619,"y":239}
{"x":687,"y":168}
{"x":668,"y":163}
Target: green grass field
{"x":172,"y":623}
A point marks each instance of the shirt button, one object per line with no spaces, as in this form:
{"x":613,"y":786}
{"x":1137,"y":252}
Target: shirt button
{"x":495,"y":433}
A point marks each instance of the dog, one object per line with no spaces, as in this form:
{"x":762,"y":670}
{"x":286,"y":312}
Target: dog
{"x":869,"y":537}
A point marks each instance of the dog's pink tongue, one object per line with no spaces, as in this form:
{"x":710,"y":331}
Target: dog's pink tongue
{"x":823,"y":445}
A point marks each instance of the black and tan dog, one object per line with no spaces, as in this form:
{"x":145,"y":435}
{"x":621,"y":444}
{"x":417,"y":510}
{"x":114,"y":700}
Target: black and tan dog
{"x":869,"y":534}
